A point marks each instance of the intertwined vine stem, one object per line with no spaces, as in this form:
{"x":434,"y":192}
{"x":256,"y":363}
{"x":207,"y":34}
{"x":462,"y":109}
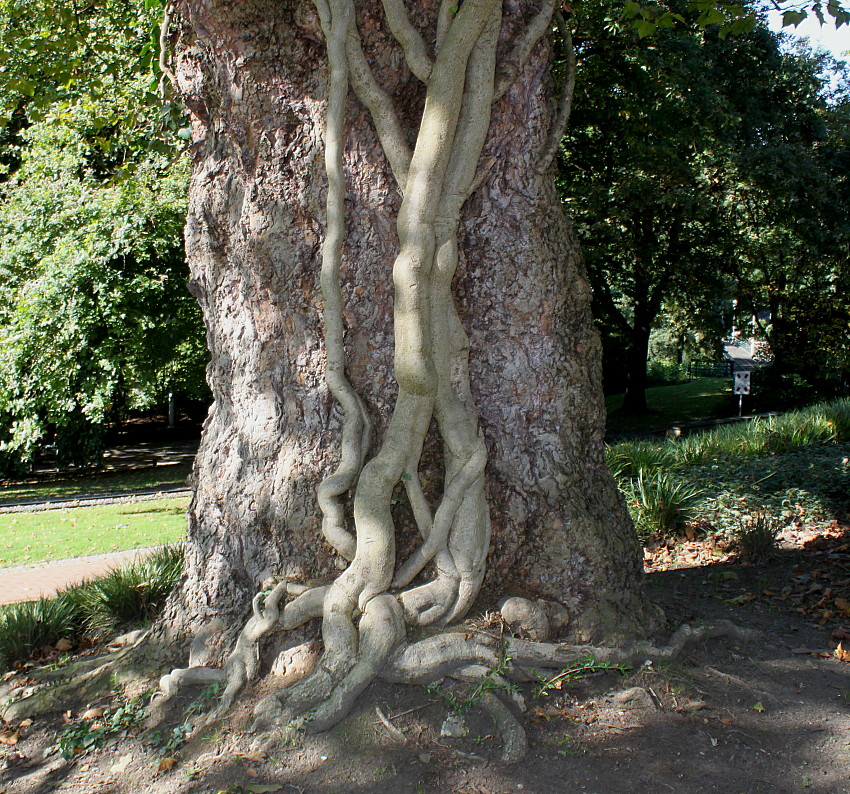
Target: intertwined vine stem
{"x":367,"y":610}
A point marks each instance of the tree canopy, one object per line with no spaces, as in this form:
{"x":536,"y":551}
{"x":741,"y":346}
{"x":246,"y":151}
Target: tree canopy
{"x":665,"y":134}
{"x":95,"y":318}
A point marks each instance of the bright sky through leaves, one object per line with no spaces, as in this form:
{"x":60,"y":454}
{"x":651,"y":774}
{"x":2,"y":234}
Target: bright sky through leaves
{"x":835,"y":41}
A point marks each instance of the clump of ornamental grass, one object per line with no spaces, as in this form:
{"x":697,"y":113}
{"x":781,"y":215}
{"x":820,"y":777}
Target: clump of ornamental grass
{"x":131,"y":595}
{"x":630,"y":458}
{"x":660,"y":503}
{"x":128,"y":596}
{"x":772,"y":435}
{"x":29,"y":626}
{"x":756,"y":535}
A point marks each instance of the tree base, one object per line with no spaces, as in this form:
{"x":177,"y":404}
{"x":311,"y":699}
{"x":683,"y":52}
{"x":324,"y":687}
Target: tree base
{"x":489,"y":654}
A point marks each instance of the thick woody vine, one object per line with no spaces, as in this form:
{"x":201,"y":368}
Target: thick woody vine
{"x":367,"y":610}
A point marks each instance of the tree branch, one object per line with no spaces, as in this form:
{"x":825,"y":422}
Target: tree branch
{"x":565,"y":102}
{"x":445,"y":17}
{"x":380,"y":106}
{"x":519,"y":55}
{"x":411,"y":42}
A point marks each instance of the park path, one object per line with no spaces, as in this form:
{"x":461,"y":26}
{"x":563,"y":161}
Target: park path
{"x":33,"y":582}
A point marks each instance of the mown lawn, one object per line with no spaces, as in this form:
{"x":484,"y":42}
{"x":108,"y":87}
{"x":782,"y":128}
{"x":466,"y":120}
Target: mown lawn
{"x":97,"y":483}
{"x":701,"y":398}
{"x":47,"y":535}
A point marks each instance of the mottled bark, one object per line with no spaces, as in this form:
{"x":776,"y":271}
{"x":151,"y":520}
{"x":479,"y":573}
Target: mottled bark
{"x":254,"y":76}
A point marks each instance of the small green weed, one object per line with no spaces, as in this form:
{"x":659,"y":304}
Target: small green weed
{"x":756,"y":535}
{"x":83,"y":735}
{"x":204,"y":700}
{"x":166,"y":743}
{"x":581,"y":669}
{"x":490,"y":681}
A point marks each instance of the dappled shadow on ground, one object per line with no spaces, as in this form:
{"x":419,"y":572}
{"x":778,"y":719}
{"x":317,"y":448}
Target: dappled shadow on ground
{"x":770,"y":715}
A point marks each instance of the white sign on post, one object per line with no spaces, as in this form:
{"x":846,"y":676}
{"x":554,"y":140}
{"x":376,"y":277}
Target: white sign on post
{"x":742,"y":383}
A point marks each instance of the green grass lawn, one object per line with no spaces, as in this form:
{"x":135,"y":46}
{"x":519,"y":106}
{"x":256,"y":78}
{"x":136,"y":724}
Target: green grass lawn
{"x":701,"y":398}
{"x":97,"y":483}
{"x":59,"y":534}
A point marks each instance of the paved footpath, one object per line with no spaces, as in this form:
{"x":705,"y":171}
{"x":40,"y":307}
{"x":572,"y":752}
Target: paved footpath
{"x":31,"y":583}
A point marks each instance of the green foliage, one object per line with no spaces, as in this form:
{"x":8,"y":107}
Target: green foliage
{"x":660,"y":503}
{"x":88,"y":734}
{"x":700,"y":167}
{"x":131,"y":595}
{"x":95,"y":319}
{"x":168,"y":742}
{"x":57,"y":57}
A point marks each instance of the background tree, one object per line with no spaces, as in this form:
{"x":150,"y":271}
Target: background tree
{"x":662,"y":130}
{"x":638,"y":175}
{"x":788,"y":202}
{"x":95,"y":319}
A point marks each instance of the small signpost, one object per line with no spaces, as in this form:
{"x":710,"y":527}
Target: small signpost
{"x":741,"y":387}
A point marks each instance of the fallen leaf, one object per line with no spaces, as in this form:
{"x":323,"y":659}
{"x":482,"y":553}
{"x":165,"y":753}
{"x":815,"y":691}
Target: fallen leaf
{"x":166,"y":765}
{"x":251,"y":772}
{"x":262,"y":789}
{"x":758,"y":707}
{"x":256,"y":757}
{"x":841,"y":654}
{"x":692,"y":706}
{"x":64,"y":645}
{"x":842,"y":605}
{"x":94,"y":714}
{"x":9,"y":736}
{"x":68,"y":717}
{"x":25,"y":723}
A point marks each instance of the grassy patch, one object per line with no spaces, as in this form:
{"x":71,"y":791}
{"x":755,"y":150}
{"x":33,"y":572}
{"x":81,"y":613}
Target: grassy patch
{"x":779,"y":469}
{"x":701,"y":398}
{"x":99,"y":483}
{"x":59,"y":534}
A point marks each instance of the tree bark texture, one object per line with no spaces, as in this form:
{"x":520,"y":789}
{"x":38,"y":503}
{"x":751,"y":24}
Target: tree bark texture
{"x":254,"y":77}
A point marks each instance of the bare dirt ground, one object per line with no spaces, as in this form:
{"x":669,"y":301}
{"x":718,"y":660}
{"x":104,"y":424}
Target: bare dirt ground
{"x":772,"y":715}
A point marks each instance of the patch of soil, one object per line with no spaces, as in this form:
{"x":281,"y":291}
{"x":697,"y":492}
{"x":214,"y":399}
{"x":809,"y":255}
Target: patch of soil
{"x":769,"y":716}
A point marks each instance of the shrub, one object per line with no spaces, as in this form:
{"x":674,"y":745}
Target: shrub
{"x":660,"y":372}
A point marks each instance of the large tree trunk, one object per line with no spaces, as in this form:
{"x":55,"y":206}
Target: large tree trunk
{"x":254,"y":76}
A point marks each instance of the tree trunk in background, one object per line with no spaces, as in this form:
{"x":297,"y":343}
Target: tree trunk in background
{"x":254,"y":77}
{"x":634,"y":400}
